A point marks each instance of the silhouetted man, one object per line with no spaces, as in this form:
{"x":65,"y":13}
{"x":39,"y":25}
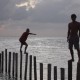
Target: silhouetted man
{"x":24,"y":37}
{"x":73,"y":35}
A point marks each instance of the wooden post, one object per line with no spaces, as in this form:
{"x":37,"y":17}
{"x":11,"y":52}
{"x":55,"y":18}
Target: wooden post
{"x":2,"y":61}
{"x":62,"y":74}
{"x":30,"y":68}
{"x":13,"y":65}
{"x":41,"y":71}
{"x":16,"y":66}
{"x":26,"y":65}
{"x":55,"y":72}
{"x":9,"y":64}
{"x":49,"y":71}
{"x":6,"y":61}
{"x":35,"y":69}
{"x":78,"y":71}
{"x":21,"y":65}
{"x":70,"y":70}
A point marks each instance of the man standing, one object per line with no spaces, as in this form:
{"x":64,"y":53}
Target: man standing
{"x":73,"y":36}
{"x":24,"y":37}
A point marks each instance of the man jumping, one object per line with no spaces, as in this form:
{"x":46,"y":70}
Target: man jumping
{"x":24,"y":37}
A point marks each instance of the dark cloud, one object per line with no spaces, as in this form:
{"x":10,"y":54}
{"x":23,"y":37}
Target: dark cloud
{"x":3,"y":10}
{"x":3,"y":3}
{"x":19,"y":14}
{"x":51,"y":12}
{"x":8,"y":10}
{"x":46,"y":11}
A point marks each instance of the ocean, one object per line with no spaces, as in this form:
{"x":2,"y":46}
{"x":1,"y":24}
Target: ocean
{"x":48,"y":50}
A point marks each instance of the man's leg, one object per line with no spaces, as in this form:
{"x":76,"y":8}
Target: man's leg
{"x":78,"y":51}
{"x":21,"y":47}
{"x":76,"y":45}
{"x":26,"y":45}
{"x":71,"y":49}
{"x":72,"y":54}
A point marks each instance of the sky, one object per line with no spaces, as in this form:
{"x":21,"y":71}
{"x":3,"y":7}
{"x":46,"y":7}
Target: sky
{"x":47,"y":18}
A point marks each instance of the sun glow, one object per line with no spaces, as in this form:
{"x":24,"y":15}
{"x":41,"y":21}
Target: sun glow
{"x":28,"y":4}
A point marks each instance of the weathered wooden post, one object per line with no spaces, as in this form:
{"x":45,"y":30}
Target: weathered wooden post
{"x":21,"y":65}
{"x":70,"y":70}
{"x":55,"y":72}
{"x":9,"y":64}
{"x":35,"y":69}
{"x":78,"y":71}
{"x":13,"y":65}
{"x":49,"y":72}
{"x":30,"y":68}
{"x":2,"y":61}
{"x":16,"y":66}
{"x":26,"y":65}
{"x":41,"y":71}
{"x":62,"y":74}
{"x":6,"y":61}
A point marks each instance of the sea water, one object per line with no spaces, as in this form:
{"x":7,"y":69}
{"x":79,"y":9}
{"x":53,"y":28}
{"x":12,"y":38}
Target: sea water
{"x":48,"y":50}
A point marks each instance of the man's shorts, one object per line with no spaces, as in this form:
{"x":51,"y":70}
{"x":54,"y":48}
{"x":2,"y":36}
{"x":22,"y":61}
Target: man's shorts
{"x":23,"y":42}
{"x":74,"y":41}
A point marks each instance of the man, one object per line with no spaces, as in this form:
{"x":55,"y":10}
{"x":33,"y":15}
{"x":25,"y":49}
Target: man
{"x":24,"y":37}
{"x":73,"y":36}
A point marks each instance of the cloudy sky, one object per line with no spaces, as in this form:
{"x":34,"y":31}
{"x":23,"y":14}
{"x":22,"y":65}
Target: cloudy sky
{"x":43,"y":17}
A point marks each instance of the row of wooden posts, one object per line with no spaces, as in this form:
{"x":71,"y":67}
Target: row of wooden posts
{"x":7,"y":60}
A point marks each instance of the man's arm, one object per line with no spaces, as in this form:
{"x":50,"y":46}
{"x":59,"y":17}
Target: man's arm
{"x":79,"y":30}
{"x":32,"y":34}
{"x":68,"y":34}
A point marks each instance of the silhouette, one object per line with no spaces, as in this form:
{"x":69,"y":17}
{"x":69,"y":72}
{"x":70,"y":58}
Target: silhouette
{"x":23,"y":39}
{"x":73,"y":36}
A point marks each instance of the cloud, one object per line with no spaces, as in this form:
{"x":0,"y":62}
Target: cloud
{"x":3,"y":11}
{"x":28,"y":4}
{"x":8,"y":9}
{"x":45,"y":11}
{"x":50,"y":11}
{"x":58,"y":11}
{"x":53,"y":11}
{"x":44,"y":14}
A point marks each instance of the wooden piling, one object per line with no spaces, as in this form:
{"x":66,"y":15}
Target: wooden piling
{"x":30,"y":68}
{"x":55,"y":72}
{"x":13,"y":65}
{"x":21,"y":65}
{"x":9,"y":64}
{"x":78,"y":71}
{"x":62,"y":74}
{"x":26,"y":65}
{"x":16,"y":66}
{"x":49,"y":72}
{"x":2,"y":61}
{"x":35,"y":69}
{"x":41,"y":71}
{"x":70,"y":70}
{"x":6,"y":61}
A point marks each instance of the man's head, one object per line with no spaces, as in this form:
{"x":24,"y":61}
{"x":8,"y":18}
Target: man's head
{"x":27,"y":30}
{"x":73,"y":17}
